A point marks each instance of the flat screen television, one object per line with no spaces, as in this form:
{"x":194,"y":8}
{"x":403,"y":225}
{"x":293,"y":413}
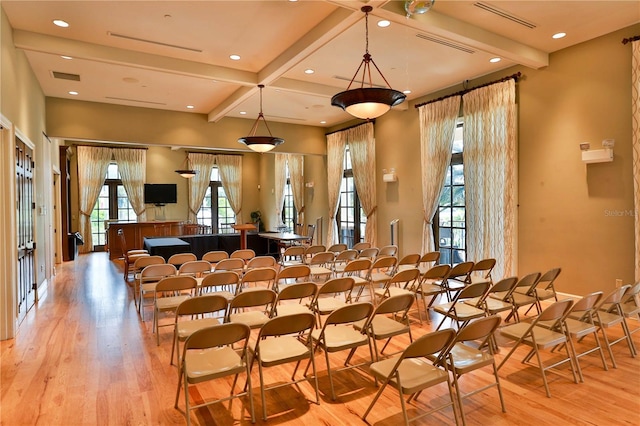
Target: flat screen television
{"x":160,"y":193}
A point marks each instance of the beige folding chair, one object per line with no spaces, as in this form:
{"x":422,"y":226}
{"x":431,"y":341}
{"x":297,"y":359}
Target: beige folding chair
{"x":337,"y":248}
{"x":261,"y":301}
{"x":282,"y":340}
{"x":458,"y":278}
{"x":369,"y":253}
{"x":259,"y":277}
{"x":544,"y":288}
{"x":465,"y":355}
{"x":338,"y":334}
{"x":428,"y":261}
{"x":141,"y":263}
{"x":411,"y":372}
{"x":149,"y":277}
{"x":431,"y":285}
{"x":215,"y":256}
{"x":358,"y":269}
{"x":235,"y":265}
{"x":310,"y":251}
{"x":333,"y":294}
{"x":212,"y":353}
{"x":195,"y":268}
{"x":342,"y":259}
{"x":403,"y":282}
{"x":179,"y":258}
{"x":460,"y":311}
{"x":361,"y":246}
{"x":244,"y":254}
{"x":170,"y":292}
{"x":481,"y":271}
{"x":262,"y":262}
{"x":297,"y":299}
{"x":631,"y":305}
{"x":380,"y":272}
{"x":129,"y":255}
{"x":409,"y":261}
{"x":499,"y":297}
{"x":524,"y":293}
{"x":390,"y":250}
{"x":538,"y":338}
{"x":291,"y":274}
{"x":223,"y":283}
{"x":293,"y":255}
{"x":195,"y":308}
{"x":321,"y":264}
{"x":390,"y":318}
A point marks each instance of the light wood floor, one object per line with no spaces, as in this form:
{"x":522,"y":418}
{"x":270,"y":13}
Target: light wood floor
{"x":82,"y":356}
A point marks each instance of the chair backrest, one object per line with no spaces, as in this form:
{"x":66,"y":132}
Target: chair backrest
{"x":615,"y":297}
{"x":311,"y":230}
{"x":298,"y":291}
{"x":322,"y":258}
{"x":215,"y":256}
{"x":267,"y":275}
{"x":387,"y":263}
{"x":202,"y":305}
{"x":473,"y":290}
{"x":290,"y":324}
{"x":437,"y":272}
{"x":294,"y":271}
{"x":390,"y":250}
{"x":176,"y":283}
{"x":400,"y":303}
{"x":180,"y":258}
{"x":485,"y":266}
{"x":432,"y":256}
{"x":244,"y":254}
{"x":587,"y":304}
{"x":461,"y":271}
{"x":337,"y":248}
{"x":528,"y":282}
{"x":406,"y":278}
{"x":429,"y":344}
{"x":368,"y":253}
{"x":293,"y":252}
{"x":357,"y":266}
{"x":349,"y":313}
{"x":260,"y":297}
{"x":337,"y":285}
{"x":235,"y":264}
{"x":632,"y":295}
{"x":410,"y":259}
{"x":547,"y":279}
{"x":361,"y":246}
{"x":262,"y":262}
{"x":480,"y":330}
{"x":156,"y":271}
{"x":195,"y":267}
{"x":218,"y":335}
{"x":143,"y":262}
{"x":345,"y":256}
{"x":555,"y":312}
{"x":224,"y":279}
{"x":313,"y":249}
{"x":507,"y":285}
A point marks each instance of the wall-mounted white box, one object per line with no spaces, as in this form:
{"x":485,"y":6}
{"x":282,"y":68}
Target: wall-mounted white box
{"x":597,"y":156}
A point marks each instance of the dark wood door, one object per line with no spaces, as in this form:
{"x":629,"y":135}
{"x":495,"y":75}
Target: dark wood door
{"x":25,"y":204}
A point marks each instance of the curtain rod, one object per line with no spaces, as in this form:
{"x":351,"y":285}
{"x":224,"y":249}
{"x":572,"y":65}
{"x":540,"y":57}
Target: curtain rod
{"x":462,"y":92}
{"x":46,"y":136}
{"x":630,"y":39}
{"x":104,"y":146}
{"x":351,"y":127}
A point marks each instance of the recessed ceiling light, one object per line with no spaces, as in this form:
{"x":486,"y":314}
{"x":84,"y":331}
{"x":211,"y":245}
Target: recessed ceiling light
{"x":66,"y":57}
{"x":190,"y":106}
{"x":494,"y":60}
{"x":406,"y":92}
{"x":383,"y":23}
{"x":60,"y":23}
{"x":559,"y":35}
{"x":243,"y":112}
{"x":309,"y":71}
{"x":73,"y":92}
{"x":234,"y":57}
{"x":323,"y":122}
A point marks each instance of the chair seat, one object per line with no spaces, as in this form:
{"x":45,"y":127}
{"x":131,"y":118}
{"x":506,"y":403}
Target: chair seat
{"x":608,"y":319}
{"x":520,"y":299}
{"x":329,"y":304}
{"x":359,"y":281}
{"x":254,"y":319}
{"x":429,"y":288}
{"x":380,"y":277}
{"x":415,"y":373}
{"x":168,"y":303}
{"x":545,"y":338}
{"x":320,"y":270}
{"x":405,"y":267}
{"x":292,"y":308}
{"x":467,"y":358}
{"x":212,"y":363}
{"x":393,"y":291}
{"x":462,"y":310}
{"x":383,"y":327}
{"x":340,"y":337}
{"x":282,"y":349}
{"x":543,"y":294}
{"x":479,"y":279}
{"x":186,"y":328}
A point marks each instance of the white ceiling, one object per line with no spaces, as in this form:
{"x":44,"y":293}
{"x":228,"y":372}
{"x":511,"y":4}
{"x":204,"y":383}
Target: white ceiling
{"x":176,"y":53}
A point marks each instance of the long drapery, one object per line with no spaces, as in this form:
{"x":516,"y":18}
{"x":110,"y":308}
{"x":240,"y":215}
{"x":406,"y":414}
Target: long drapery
{"x":202,"y":164}
{"x":280,"y":183}
{"x":93,"y":163}
{"x":363,"y":160}
{"x":437,"y":128}
{"x":132,"y":166}
{"x":335,"y":169}
{"x":296,"y":177}
{"x":635,"y":142}
{"x":230,"y":167}
{"x":490,"y":174}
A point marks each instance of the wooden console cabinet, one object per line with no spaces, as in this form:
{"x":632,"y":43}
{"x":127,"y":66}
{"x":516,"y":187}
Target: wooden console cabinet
{"x":134,"y":233}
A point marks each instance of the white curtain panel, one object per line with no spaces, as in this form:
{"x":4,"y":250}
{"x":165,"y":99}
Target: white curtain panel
{"x":363,"y":160}
{"x":437,"y":129}
{"x":635,"y":141}
{"x":296,"y":176}
{"x":230,"y":168}
{"x":202,"y":163}
{"x":335,"y":169}
{"x":132,"y":166}
{"x":93,"y":163}
{"x":490,"y":130}
{"x":280,"y":183}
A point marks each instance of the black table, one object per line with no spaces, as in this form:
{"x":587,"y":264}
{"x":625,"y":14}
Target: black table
{"x":166,"y":247}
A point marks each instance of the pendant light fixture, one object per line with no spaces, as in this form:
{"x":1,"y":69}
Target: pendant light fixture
{"x":367,"y":102}
{"x":186,"y":172}
{"x":260,"y":143}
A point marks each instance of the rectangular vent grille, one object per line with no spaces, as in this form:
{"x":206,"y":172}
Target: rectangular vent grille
{"x":447,"y":43}
{"x":65,"y":76}
{"x":506,"y":15}
{"x":358,"y":83}
{"x":158,"y":43}
{"x":134,"y":100}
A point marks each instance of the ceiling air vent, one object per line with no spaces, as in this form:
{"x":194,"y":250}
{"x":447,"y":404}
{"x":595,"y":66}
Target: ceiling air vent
{"x":65,"y":76}
{"x":503,"y":14}
{"x":447,"y":43}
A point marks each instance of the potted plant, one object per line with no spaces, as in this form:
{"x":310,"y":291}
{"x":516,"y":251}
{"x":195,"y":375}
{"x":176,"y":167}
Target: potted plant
{"x":256,"y":219}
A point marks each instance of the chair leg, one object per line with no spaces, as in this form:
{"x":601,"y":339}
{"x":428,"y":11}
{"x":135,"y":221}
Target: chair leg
{"x":333,"y":392}
{"x":375,"y":398}
{"x":402,"y":403}
{"x":606,"y":341}
{"x":544,"y":376}
{"x":264,"y":403}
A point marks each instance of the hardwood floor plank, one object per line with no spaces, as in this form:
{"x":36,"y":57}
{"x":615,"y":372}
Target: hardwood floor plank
{"x":82,"y":356}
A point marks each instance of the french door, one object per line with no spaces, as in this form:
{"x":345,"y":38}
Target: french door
{"x":25,"y":204}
